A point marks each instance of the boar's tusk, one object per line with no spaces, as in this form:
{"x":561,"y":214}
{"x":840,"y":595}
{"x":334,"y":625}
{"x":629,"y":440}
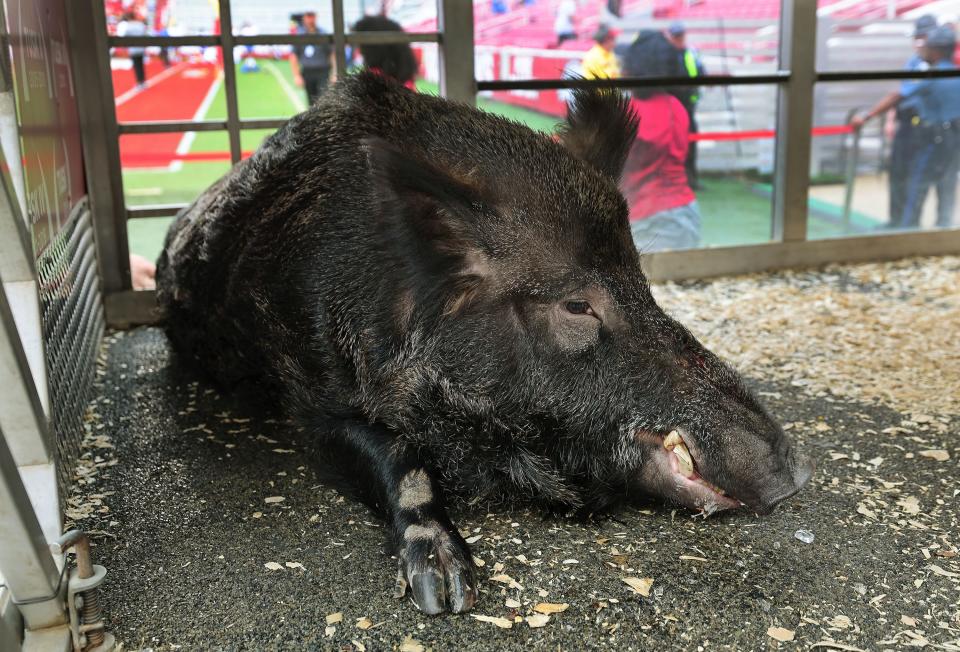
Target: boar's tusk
{"x":674,"y":443}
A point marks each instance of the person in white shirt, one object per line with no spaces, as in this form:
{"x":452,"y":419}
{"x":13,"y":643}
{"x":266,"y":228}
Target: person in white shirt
{"x":563,"y":25}
{"x":133,"y":26}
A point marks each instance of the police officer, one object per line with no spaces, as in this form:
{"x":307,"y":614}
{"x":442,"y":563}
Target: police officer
{"x":906,"y":110}
{"x":928,"y":135}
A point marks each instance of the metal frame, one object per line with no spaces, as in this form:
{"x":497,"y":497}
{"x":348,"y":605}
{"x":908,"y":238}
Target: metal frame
{"x":101,"y":131}
{"x":794,"y":120}
{"x":789,"y":246}
{"x":795,"y":79}
{"x":90,"y":62}
{"x":29,"y":496}
{"x":25,"y":399}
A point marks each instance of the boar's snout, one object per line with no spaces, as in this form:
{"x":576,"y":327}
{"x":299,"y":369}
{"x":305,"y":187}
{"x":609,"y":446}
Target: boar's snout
{"x":801,"y":469}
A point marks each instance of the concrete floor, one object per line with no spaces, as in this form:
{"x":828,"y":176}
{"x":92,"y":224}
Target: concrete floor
{"x":180,"y":479}
{"x":871,"y":197}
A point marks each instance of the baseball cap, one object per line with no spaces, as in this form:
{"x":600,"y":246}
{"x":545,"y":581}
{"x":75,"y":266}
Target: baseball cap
{"x":677,"y":28}
{"x":943,"y":38}
{"x":924,"y":25}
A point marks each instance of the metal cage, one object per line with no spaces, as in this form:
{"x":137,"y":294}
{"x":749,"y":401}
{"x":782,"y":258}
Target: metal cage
{"x":53,"y":309}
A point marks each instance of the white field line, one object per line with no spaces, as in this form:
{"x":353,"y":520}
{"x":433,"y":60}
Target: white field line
{"x":295,"y":96}
{"x":151,"y":82}
{"x":187,"y":141}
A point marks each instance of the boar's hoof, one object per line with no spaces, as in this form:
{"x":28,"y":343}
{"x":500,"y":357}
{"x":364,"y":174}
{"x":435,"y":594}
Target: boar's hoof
{"x":436,"y":564}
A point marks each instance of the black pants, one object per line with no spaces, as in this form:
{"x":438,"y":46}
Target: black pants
{"x":315,"y":81}
{"x":899,"y":162}
{"x":138,"y":69}
{"x":923,"y":157}
{"x":691,"y":163}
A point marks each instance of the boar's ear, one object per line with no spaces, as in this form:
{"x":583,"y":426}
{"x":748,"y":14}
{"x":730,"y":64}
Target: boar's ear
{"x":428,"y":218}
{"x":600,"y":129}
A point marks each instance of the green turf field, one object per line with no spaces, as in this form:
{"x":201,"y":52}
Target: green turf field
{"x":735,"y":210}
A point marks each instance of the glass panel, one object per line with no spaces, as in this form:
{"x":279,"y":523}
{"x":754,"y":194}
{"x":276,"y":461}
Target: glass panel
{"x":266,"y":84}
{"x":714,"y":190}
{"x":900,"y":173}
{"x":252,"y":17}
{"x":875,"y":34}
{"x":145,"y":236}
{"x":171,"y":168}
{"x":510,"y":105}
{"x":733,"y":168}
{"x":412,"y":15}
{"x":161,"y":17}
{"x":266,"y":88}
{"x":187,"y":85}
{"x":532,"y":39}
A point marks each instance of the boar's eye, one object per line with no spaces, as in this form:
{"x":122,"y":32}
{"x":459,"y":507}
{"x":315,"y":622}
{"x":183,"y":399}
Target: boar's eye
{"x":580,"y":308}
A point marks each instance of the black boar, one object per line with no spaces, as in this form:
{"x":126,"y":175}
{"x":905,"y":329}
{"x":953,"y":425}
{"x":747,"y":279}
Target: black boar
{"x":452,"y":304}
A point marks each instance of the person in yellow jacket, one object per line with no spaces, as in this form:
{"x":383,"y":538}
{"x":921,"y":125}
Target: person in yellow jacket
{"x":600,"y":62}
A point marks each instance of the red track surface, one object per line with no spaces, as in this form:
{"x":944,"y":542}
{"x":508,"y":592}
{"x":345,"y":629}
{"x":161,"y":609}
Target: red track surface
{"x":175,"y":94}
{"x":123,"y":80}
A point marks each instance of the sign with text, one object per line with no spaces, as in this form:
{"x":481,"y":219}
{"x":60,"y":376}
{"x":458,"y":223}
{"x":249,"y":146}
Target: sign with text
{"x":47,"y":114}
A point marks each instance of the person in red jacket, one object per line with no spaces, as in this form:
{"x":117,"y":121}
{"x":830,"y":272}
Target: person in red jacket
{"x":663,"y":208}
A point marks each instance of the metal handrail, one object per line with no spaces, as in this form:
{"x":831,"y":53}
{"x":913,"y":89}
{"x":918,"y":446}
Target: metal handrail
{"x":851,"y":156}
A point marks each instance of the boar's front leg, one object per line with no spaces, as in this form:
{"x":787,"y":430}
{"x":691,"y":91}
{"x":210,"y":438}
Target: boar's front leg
{"x":435,"y":561}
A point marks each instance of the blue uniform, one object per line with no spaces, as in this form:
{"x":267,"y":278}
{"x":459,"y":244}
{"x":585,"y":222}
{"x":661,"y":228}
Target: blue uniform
{"x":925,"y":149}
{"x":936,"y":100}
{"x":916,"y":62}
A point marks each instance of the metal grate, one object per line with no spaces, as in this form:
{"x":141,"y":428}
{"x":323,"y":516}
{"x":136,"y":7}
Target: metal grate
{"x":73,"y":325}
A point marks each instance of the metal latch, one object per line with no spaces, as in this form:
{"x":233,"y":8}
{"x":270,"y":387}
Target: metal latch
{"x":86,"y":617}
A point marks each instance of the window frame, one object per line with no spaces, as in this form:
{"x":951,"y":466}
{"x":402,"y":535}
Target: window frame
{"x":795,"y":78}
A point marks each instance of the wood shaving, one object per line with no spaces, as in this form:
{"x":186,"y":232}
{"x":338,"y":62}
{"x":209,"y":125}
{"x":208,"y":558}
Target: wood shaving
{"x":780,"y":634}
{"x":411,"y":644}
{"x":503,"y":623}
{"x":937,"y":570}
{"x":335,"y":618}
{"x":866,"y":511}
{"x":272,"y":565}
{"x":880,"y":332}
{"x":506,"y":579}
{"x":537,"y":620}
{"x":639,"y":585}
{"x":840,"y":621}
{"x":909,"y":504}
{"x":938,"y":454}
{"x":837,"y":646}
{"x":552,"y":607}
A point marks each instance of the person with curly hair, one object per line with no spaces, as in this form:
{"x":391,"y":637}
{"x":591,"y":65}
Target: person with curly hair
{"x":394,"y":60}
